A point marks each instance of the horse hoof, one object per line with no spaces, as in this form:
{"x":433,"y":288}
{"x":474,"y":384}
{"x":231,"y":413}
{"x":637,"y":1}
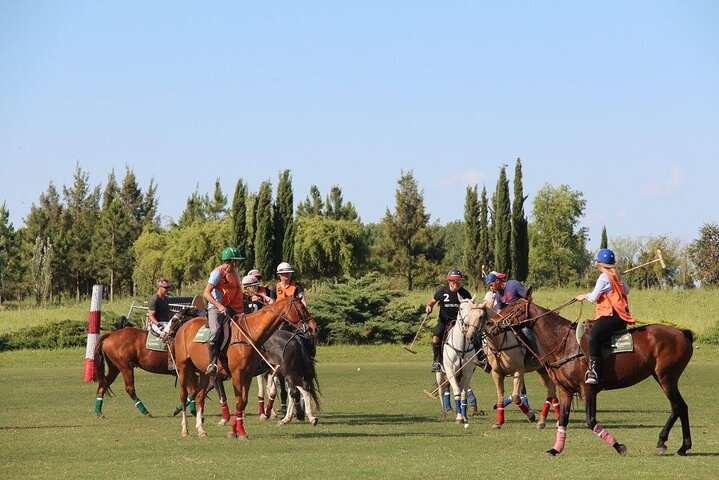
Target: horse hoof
{"x":263,"y":417}
{"x":149,"y":415}
{"x":497,"y":426}
{"x":532,"y":418}
{"x":622,"y":450}
{"x":202,"y":434}
{"x":176,"y":412}
{"x":185,"y":434}
{"x":661,"y":450}
{"x":314,"y":421}
{"x":682,"y":452}
{"x":243,"y":437}
{"x":481,"y":413}
{"x":232,"y":434}
{"x":551,"y":453}
{"x":443,"y":417}
{"x":101,"y":416}
{"x":222,"y":423}
{"x":541,"y":425}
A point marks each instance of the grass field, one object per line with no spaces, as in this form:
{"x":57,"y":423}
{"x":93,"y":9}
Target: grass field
{"x":376,"y":423}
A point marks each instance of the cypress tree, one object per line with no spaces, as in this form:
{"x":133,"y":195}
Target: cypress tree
{"x":520,"y":235}
{"x":484,"y":256}
{"x":604,"y":242}
{"x":264,"y":240}
{"x":502,"y":224}
{"x":472,"y":266}
{"x":284,"y":220}
{"x":238,"y":214}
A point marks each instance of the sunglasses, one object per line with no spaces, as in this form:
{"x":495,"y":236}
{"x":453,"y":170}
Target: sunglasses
{"x":165,"y":286}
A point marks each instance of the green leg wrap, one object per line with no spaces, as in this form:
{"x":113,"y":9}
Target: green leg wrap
{"x":141,"y":407}
{"x":193,"y":407}
{"x":98,"y":406}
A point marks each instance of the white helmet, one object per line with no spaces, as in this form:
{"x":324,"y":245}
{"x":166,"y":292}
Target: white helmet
{"x":249,"y":281}
{"x":255,"y":273}
{"x":284,"y":267}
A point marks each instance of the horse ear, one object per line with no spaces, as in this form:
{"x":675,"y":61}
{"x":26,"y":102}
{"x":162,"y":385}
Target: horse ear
{"x":474,"y":298}
{"x":528,"y":296}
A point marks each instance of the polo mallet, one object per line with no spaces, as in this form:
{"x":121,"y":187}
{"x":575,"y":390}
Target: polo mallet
{"x":249,"y":340}
{"x":409,"y":349}
{"x":659,"y":259}
{"x":433,"y":393}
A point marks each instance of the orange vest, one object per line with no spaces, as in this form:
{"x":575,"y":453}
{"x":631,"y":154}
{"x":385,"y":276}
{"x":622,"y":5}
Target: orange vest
{"x":231,"y":288}
{"x":615,"y":300}
{"x":285,"y":292}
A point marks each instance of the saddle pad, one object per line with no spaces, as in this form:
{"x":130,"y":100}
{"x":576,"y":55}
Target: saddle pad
{"x":622,"y":343}
{"x":154,"y":343}
{"x":202,"y":335}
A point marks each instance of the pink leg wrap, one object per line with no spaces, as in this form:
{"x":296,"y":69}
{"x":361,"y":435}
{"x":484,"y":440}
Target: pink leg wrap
{"x":555,"y":405}
{"x":604,"y":435}
{"x":561,"y":437}
{"x":545,"y":408}
{"x":522,"y":407}
{"x":225,"y":411}
{"x":500,"y":413}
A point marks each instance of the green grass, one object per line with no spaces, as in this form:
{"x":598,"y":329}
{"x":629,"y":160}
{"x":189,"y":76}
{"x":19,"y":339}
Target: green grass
{"x":376,"y":423}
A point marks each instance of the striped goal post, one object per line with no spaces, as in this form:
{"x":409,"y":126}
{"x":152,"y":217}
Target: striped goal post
{"x":93,"y":332}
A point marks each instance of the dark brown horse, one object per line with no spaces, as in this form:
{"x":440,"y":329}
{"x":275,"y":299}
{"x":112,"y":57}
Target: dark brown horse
{"x":124,"y":350}
{"x":660,"y":351}
{"x":243,"y":362}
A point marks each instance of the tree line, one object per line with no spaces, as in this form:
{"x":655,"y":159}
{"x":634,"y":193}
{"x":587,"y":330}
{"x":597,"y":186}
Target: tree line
{"x":113,"y":235}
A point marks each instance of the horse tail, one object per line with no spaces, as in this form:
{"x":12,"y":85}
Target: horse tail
{"x":689,"y":335}
{"x":309,"y":375}
{"x":99,"y":373}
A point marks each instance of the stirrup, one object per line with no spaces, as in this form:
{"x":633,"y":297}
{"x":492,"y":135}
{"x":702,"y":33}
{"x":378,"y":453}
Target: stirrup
{"x":436,"y":367}
{"x":211,"y":369}
{"x":591,"y":378}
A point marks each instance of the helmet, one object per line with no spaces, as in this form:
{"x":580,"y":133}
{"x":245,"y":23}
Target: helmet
{"x":605,"y":256}
{"x":455,"y":275}
{"x":231,"y":253}
{"x":255,"y":273}
{"x":494,"y":276}
{"x":284,"y":267}
{"x":250,"y":281}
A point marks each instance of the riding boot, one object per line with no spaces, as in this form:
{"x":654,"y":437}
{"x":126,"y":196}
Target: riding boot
{"x":436,"y":352}
{"x":212,"y":366}
{"x":481,"y":359}
{"x":594,"y":371}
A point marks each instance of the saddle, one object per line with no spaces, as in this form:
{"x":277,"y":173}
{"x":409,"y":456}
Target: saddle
{"x":621,"y":341}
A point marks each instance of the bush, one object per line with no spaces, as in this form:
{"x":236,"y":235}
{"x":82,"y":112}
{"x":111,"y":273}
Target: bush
{"x":66,"y":333}
{"x":364,"y":311}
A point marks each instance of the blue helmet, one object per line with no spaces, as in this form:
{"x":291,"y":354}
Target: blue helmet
{"x":605,"y":256}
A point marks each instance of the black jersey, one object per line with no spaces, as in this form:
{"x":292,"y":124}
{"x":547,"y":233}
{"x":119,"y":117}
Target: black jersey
{"x":449,"y":302}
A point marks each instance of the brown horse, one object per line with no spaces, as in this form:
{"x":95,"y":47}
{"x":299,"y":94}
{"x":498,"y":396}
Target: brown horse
{"x":243,"y":362}
{"x":507,"y":356}
{"x":660,"y":351}
{"x":125,"y":349}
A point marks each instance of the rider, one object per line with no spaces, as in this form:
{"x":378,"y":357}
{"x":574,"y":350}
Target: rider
{"x":261,"y":289}
{"x":612,"y":314}
{"x":223,"y":293}
{"x":158,"y":307}
{"x":254,"y":299}
{"x":448,"y":299}
{"x":287,"y":287}
{"x":505,"y":292}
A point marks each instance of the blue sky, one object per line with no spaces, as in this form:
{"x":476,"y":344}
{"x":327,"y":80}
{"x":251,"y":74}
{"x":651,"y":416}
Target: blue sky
{"x":615,"y":99}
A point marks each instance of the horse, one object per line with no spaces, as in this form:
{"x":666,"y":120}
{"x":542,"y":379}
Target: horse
{"x":659,"y":351}
{"x":287,"y":349}
{"x":507,"y":356}
{"x":122,"y":351}
{"x":456,"y":357}
{"x":242,"y":360}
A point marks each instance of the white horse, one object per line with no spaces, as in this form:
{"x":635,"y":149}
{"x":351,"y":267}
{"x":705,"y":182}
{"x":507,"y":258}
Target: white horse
{"x":457,"y":352}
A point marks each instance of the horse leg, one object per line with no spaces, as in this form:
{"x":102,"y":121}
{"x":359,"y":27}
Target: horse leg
{"x":679,"y":410}
{"x":112,"y":373}
{"x":128,"y":374}
{"x":261,"y":382}
{"x":224,"y":408}
{"x":516,"y":396}
{"x":200,"y":404}
{"x":565,"y":407}
{"x":590,"y":408}
{"x":308,"y":406}
{"x":499,"y":384}
{"x":269,"y":413}
{"x":551,"y":400}
{"x":241,"y":382}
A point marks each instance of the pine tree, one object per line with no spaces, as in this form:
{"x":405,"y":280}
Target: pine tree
{"x":312,"y":205}
{"x":264,"y":241}
{"x":7,"y":247}
{"x":502,"y":224}
{"x":472,"y":236}
{"x":520,"y":234}
{"x":216,"y":206}
{"x":194,"y":210}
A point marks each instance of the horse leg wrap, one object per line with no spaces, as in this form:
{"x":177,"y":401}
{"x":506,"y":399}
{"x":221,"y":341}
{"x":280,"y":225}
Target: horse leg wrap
{"x":193,"y":407}
{"x":522,"y":406}
{"x":225,"y":411}
{"x":561,"y":437}
{"x":141,"y":407}
{"x":555,"y":406}
{"x":261,"y":404}
{"x":604,"y":435}
{"x":457,"y":405}
{"x":98,"y":406}
{"x":525,"y":400}
{"x":507,"y":401}
{"x":447,"y":404}
{"x":500,"y":413}
{"x":464,"y":408}
{"x":238,"y":424}
{"x":472,"y":397}
{"x":268,"y":410}
{"x":545,"y":408}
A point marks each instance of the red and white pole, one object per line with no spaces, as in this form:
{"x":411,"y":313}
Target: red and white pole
{"x":93,"y":332}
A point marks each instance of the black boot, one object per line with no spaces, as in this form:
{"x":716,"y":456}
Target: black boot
{"x":594,"y":371}
{"x":436,"y":352}
{"x":481,"y":360}
{"x":212,"y":366}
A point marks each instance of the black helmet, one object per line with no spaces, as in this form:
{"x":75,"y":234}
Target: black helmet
{"x":455,"y":275}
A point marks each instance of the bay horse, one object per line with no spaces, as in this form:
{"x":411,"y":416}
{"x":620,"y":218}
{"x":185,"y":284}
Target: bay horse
{"x":507,"y":356}
{"x":242,"y":360}
{"x":124,"y":350}
{"x":457,"y":352}
{"x":288,"y":350}
{"x":660,"y":351}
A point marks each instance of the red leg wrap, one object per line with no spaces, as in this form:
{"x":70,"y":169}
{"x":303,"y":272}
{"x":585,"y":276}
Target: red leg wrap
{"x":545,"y":408}
{"x":500,"y":413}
{"x":522,"y":407}
{"x":555,"y":405}
{"x":261,"y":404}
{"x":238,"y":424}
{"x":225,"y":411}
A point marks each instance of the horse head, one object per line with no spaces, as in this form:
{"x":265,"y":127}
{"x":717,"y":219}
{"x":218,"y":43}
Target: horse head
{"x":470,"y":317}
{"x":176,"y":321}
{"x":298,"y":315}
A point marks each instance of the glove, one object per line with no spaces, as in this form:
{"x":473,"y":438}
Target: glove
{"x":428,"y":309}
